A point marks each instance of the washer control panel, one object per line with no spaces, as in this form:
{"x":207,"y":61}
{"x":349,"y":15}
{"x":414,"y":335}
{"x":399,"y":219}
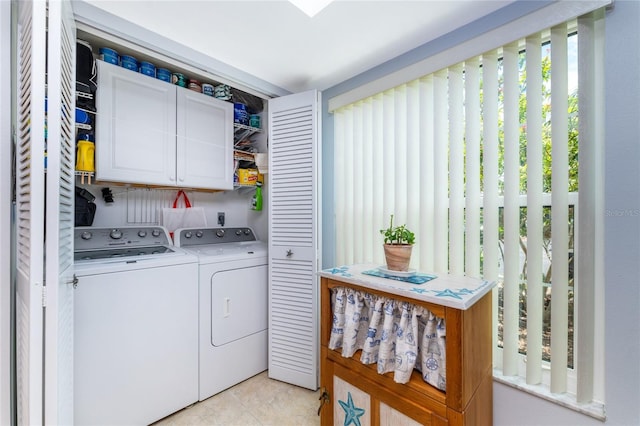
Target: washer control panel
{"x":200,"y":236}
{"x":89,"y":238}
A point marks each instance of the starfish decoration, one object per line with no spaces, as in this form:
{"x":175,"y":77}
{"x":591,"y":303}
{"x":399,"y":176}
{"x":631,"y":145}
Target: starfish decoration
{"x":419,"y":290}
{"x":352,"y":414}
{"x":343,"y":270}
{"x":449,"y":293}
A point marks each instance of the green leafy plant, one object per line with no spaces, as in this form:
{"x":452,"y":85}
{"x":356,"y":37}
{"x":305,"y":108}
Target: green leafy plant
{"x":398,"y":234}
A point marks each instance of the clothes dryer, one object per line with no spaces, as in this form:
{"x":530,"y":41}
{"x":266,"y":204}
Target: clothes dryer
{"x":233,"y":310}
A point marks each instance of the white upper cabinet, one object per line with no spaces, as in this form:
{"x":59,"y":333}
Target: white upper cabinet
{"x":205,"y":141}
{"x":154,"y":133}
{"x":135,"y":127}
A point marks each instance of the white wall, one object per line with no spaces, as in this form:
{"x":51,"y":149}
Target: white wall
{"x":235,"y":204}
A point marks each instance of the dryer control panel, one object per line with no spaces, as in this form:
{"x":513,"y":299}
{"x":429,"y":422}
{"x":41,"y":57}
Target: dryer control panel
{"x":199,"y":236}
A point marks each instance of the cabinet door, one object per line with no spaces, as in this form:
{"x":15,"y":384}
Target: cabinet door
{"x":350,"y":404}
{"x":135,"y":127}
{"x":204,"y":142}
{"x":293,"y":239}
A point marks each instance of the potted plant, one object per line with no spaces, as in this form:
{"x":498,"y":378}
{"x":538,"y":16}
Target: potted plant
{"x":398,"y":242}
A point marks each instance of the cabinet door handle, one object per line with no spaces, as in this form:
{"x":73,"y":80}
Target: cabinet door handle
{"x":324,"y":399}
{"x":74,"y":281}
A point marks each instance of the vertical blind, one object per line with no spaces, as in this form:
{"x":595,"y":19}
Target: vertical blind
{"x":476,"y":159}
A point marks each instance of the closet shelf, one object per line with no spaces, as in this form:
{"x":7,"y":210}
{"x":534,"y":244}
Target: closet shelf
{"x":241,"y":131}
{"x":84,"y":95}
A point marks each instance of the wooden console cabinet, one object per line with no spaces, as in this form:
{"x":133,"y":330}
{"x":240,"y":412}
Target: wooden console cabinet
{"x":354,"y":393}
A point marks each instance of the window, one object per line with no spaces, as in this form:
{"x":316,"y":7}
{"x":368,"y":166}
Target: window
{"x":481,"y":160}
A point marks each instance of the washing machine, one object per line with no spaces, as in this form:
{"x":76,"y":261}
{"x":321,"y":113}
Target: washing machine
{"x":135,"y":326}
{"x":233,"y":284}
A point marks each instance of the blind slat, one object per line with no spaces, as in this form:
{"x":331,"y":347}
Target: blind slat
{"x":400,"y":154}
{"x":559,"y":209}
{"x":472,"y":172}
{"x":441,"y":128}
{"x":427,"y":178}
{"x":357,"y":175}
{"x":414,"y":168}
{"x":370,"y":238}
{"x":511,"y":115}
{"x":388,"y":165}
{"x":491,"y":203}
{"x":456,"y":171}
{"x":590,"y":344}
{"x":534,"y":210}
{"x":378,"y":177}
{"x":342,"y":206}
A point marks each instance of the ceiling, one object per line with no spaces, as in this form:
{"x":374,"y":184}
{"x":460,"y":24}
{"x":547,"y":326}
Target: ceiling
{"x":276,"y":42}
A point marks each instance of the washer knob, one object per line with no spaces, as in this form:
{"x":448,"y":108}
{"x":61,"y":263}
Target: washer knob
{"x":86,"y":235}
{"x":116,"y":234}
{"x":188,"y":234}
{"x":247,"y":231}
{"x":155,"y":233}
{"x":142,"y":233}
{"x":239,"y":232}
{"x":220,"y":233}
{"x":199,"y":234}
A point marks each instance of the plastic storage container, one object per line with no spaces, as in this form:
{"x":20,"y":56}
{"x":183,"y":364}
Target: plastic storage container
{"x":147,"y":68}
{"x":129,"y":62}
{"x":82,"y":117}
{"x":109,"y":55}
{"x":240,"y":114}
{"x":207,"y":89}
{"x":163,"y":74}
{"x":195,"y":85}
{"x":179,"y":79}
{"x":254,"y":120}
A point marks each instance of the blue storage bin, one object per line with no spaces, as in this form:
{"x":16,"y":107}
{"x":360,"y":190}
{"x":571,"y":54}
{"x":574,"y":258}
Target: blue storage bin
{"x":109,"y":55}
{"x":163,"y":74}
{"x":82,"y":117}
{"x":147,"y":68}
{"x":129,"y":62}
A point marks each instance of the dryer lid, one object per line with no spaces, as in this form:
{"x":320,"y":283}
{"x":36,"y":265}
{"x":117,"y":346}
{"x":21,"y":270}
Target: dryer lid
{"x":252,"y":249}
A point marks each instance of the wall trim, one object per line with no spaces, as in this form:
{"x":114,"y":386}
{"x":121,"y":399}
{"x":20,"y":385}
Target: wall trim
{"x":545,"y":17}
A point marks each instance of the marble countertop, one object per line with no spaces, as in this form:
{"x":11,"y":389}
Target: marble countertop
{"x":458,"y":292}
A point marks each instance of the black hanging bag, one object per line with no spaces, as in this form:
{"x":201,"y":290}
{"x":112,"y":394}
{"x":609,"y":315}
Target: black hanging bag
{"x":85,"y":207}
{"x":86,"y":75}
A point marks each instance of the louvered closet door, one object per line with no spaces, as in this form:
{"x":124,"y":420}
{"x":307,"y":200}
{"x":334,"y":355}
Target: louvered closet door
{"x":30,"y":209}
{"x":293,"y":241}
{"x":59,"y":181}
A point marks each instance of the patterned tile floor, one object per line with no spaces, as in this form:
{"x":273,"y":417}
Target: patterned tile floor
{"x":254,"y":402}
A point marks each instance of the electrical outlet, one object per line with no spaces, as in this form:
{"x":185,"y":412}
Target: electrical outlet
{"x":221,"y":218}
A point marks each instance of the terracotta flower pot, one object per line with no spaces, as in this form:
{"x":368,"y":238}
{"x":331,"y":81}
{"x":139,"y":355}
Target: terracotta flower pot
{"x":398,"y":256}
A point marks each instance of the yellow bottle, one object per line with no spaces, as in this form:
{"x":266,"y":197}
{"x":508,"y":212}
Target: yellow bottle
{"x":85,"y":156}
